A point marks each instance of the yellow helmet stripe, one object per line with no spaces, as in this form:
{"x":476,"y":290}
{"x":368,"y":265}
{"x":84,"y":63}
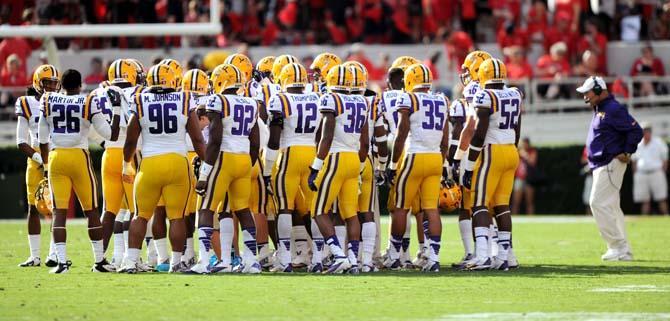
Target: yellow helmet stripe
{"x":355,"y":74}
{"x":54,"y":73}
{"x":426,"y":74}
{"x":290,"y":59}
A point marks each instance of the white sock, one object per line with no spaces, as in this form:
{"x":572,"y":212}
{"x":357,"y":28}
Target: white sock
{"x":335,"y":246}
{"x":284,"y":229}
{"x":189,"y":251}
{"x":465,"y":227}
{"x":52,"y":246}
{"x":98,"y":251}
{"x":132,"y":255}
{"x":149,"y":239}
{"x":301,"y":238}
{"x":395,"y":247}
{"x":34,"y":243}
{"x":176,"y":258}
{"x":481,"y":242}
{"x":119,"y":248}
{"x":205,"y":244}
{"x":352,"y":251}
{"x":61,"y":252}
{"x":493,"y":239}
{"x":434,"y":243}
{"x":341,"y":233}
{"x":504,"y":238}
{"x":161,"y":250}
{"x":226,"y":232}
{"x":368,"y":231}
{"x":125,"y":232}
{"x":250,"y":247}
{"x":263,"y":250}
{"x":317,"y":243}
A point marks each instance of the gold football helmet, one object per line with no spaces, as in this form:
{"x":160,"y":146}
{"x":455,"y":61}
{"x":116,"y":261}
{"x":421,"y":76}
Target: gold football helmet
{"x":279,"y":63}
{"x":492,"y":71}
{"x":322,"y":64}
{"x":195,"y":80}
{"x":46,"y":78}
{"x":417,"y":76}
{"x":359,"y":79}
{"x":123,"y":70}
{"x":339,"y":78}
{"x":293,"y":76}
{"x":265,"y":65}
{"x":43,"y":201}
{"x":141,"y":72}
{"x":176,"y":67}
{"x":162,"y":75}
{"x":227,"y":76}
{"x":450,"y":197}
{"x":243,"y":63}
{"x":470,"y":66}
{"x":403,"y":62}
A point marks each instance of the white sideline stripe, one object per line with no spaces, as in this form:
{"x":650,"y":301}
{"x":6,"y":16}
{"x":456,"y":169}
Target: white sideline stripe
{"x":633,"y":288}
{"x":559,"y":316}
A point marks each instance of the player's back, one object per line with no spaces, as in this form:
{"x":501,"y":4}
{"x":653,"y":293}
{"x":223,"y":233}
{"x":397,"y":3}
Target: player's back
{"x":428,"y":114}
{"x":301,"y":117}
{"x":29,"y":108}
{"x":389,"y":101}
{"x":69,"y":118}
{"x":238,"y":115}
{"x":163,"y":117}
{"x":505,"y":106}
{"x":350,"y":113}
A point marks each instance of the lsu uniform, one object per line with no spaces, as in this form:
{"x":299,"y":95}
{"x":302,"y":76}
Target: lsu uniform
{"x":258,"y":198}
{"x":340,"y":173}
{"x":116,"y":193}
{"x":231,"y":174}
{"x":191,"y":154}
{"x":64,"y":124}
{"x":298,"y":149}
{"x":493,"y":174}
{"x":469,"y":111}
{"x":27,"y":110}
{"x":375,"y":118}
{"x":164,"y":171}
{"x":421,"y":169}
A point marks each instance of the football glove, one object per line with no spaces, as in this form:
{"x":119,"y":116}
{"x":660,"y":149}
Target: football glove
{"x":456,"y":169}
{"x":467,"y":179}
{"x":268,"y":184}
{"x":390,"y":176}
{"x":196,"y":162}
{"x":380,"y":177}
{"x":311,"y":180}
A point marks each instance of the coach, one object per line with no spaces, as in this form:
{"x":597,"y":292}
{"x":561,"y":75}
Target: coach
{"x":613,"y":137}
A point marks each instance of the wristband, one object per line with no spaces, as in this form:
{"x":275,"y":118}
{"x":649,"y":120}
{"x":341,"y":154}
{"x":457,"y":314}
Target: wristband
{"x":128,"y":168}
{"x":459,"y":154}
{"x":453,"y":142}
{"x":205,"y":170}
{"x":361,"y":167}
{"x":36,"y":157}
{"x":469,"y":165}
{"x":445,"y":163}
{"x":270,"y":160}
{"x":475,"y":148}
{"x":393,"y":166}
{"x":317,"y":164}
{"x":116,"y":110}
{"x":381,"y":139}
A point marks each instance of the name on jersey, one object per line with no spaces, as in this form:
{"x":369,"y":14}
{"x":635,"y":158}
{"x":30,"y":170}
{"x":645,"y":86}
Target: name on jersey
{"x":352,"y":98}
{"x":78,"y":100}
{"x":303,"y":98}
{"x":237,"y":99}
{"x":161,"y":97}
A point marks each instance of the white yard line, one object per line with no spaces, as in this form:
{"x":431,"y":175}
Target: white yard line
{"x":559,"y":316}
{"x":633,"y":288}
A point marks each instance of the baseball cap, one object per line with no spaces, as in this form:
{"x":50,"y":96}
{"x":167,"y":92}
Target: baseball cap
{"x":591,"y":82}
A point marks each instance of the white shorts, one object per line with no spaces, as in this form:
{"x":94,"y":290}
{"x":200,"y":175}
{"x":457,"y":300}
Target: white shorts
{"x":647,"y":186}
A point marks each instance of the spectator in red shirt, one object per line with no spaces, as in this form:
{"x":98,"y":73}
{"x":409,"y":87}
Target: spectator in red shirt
{"x":458,"y":45}
{"x":512,"y":35}
{"x":596,"y":42}
{"x":12,"y":76}
{"x":432,"y":61}
{"x":518,"y":67}
{"x":561,"y":32}
{"x":18,"y":46}
{"x":555,"y":66}
{"x":536,"y":20}
{"x":647,"y":65}
{"x":97,"y":74}
{"x":571,"y":9}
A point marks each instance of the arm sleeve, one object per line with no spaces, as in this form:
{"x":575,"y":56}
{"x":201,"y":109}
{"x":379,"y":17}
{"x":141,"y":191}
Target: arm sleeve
{"x":276,"y":105}
{"x":101,"y":126}
{"x":625,"y":124}
{"x":327,"y":104}
{"x":43,"y":130}
{"x":22,"y":133}
{"x":404,"y":102}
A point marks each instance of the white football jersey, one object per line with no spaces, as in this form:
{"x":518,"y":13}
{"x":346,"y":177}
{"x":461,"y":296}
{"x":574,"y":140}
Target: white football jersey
{"x":301,"y":117}
{"x":163,"y":118}
{"x":505,"y":107}
{"x":375,"y":114}
{"x":198,"y":100}
{"x":28,"y":107}
{"x":239,"y":115}
{"x":457,"y":109}
{"x":266,"y":91}
{"x":105,"y":107}
{"x":68,"y":119}
{"x":350,"y":113}
{"x":469,"y":93}
{"x":427,"y":117}
{"x":389,"y":103}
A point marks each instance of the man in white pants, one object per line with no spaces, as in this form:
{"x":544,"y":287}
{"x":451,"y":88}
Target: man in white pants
{"x":650,"y":163}
{"x":613,"y":137}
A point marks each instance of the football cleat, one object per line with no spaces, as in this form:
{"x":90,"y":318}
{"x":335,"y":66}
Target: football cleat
{"x":369,"y":269}
{"x":394,"y":265}
{"x":163,"y":266}
{"x":282,"y":268}
{"x":511,"y":260}
{"x":144,"y":267}
{"x":340,"y":264}
{"x":213,"y":260}
{"x":302,"y":257}
{"x":467,"y":258}
{"x":235,"y":260}
{"x":180,"y":267}
{"x":31,"y":261}
{"x":52,"y":261}
{"x":407,"y":265}
{"x":190,"y":262}
{"x":199,"y":268}
{"x":617,"y":255}
{"x":480,"y":264}
{"x":420,"y":260}
{"x":61,"y":268}
{"x":128,"y":267}
{"x":103,"y":267}
{"x":254,"y":268}
{"x":220,"y":268}
{"x":499,"y":264}
{"x":431,"y":266}
{"x":354,"y":270}
{"x":315,"y":268}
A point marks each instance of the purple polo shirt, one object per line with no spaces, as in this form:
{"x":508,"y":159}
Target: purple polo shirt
{"x":613,"y":131}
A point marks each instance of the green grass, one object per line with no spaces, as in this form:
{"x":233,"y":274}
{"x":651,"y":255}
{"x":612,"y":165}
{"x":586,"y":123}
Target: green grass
{"x":560,"y":270}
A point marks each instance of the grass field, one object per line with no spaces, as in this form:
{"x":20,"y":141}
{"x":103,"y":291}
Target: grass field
{"x":561,"y":278}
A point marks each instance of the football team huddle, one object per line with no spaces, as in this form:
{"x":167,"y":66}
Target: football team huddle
{"x":263,"y":153}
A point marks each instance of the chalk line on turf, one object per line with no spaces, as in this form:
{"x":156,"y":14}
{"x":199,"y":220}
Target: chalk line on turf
{"x":556,"y":316}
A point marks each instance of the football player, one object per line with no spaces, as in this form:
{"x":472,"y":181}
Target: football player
{"x":423,"y":116}
{"x":368,"y":193}
{"x":492,"y":160}
{"x":320,"y":67}
{"x":232,"y":151}
{"x":161,"y":117}
{"x":293,"y":122}
{"x":196,"y":83}
{"x":335,"y":171}
{"x":45,"y":79}
{"x":63,"y":127}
